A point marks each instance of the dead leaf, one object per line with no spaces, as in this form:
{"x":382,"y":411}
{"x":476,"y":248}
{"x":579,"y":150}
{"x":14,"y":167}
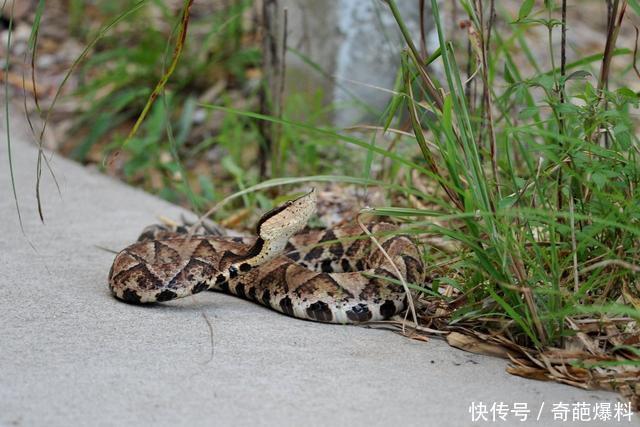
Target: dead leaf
{"x":629,"y":296}
{"x":474,"y":345}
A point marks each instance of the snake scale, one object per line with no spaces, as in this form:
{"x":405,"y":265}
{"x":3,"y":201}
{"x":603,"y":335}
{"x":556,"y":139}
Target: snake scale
{"x":342,"y":281}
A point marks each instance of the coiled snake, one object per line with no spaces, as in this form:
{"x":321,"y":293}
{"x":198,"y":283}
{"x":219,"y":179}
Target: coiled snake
{"x":342,"y":281}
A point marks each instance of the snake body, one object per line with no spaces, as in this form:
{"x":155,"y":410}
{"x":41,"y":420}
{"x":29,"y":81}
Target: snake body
{"x":343,"y":281}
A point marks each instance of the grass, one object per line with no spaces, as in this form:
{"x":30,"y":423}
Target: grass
{"x":116,"y":86}
{"x":528,"y":172}
{"x":542,"y":180}
{"x":159,"y":152}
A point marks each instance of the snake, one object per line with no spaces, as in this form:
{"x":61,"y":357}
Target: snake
{"x":334,"y":275}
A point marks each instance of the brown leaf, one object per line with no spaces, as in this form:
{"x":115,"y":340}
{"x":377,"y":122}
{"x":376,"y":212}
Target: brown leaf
{"x":529,"y":372}
{"x":474,"y":345}
{"x":629,"y":296}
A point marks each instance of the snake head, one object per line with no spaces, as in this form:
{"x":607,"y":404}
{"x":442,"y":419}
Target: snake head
{"x":287,"y":219}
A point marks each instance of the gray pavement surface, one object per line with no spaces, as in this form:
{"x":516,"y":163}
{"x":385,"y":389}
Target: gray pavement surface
{"x":71,"y":355}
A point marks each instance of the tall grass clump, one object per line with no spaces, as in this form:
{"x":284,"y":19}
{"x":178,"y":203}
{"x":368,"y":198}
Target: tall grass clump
{"x":540,"y":172}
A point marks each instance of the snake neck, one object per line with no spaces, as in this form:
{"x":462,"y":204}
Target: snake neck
{"x":274,"y":230}
{"x":261,"y":252}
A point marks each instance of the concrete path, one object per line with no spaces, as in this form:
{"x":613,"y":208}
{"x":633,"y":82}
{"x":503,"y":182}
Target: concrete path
{"x":70,"y":354}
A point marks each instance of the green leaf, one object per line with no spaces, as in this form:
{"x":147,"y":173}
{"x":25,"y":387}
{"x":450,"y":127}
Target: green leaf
{"x":525,"y":9}
{"x":527,"y":113}
{"x":507,"y":202}
{"x":635,"y":5}
{"x":545,"y":81}
{"x":447,"y":112}
{"x":567,"y":108}
{"x":578,"y":75}
{"x":508,"y":76}
{"x":435,"y":55}
{"x":599,"y":180}
{"x":627,"y":93}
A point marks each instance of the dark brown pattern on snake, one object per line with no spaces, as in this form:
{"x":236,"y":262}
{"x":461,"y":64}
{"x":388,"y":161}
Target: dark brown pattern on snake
{"x":337,"y":286}
{"x":178,"y":266}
